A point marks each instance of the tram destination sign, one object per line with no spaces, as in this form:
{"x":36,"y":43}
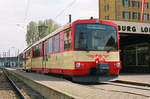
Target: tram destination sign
{"x":133,"y":27}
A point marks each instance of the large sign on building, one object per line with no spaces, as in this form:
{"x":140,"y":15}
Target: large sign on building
{"x":133,"y":27}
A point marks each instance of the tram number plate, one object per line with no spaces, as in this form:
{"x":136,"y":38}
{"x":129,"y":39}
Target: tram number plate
{"x":103,"y":67}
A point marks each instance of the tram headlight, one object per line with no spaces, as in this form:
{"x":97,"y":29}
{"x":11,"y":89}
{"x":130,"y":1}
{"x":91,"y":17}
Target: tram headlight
{"x":118,"y":65}
{"x":78,"y":65}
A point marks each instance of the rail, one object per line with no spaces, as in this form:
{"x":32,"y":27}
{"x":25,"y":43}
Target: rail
{"x":22,"y":96}
{"x":129,"y":85}
{"x":122,"y":87}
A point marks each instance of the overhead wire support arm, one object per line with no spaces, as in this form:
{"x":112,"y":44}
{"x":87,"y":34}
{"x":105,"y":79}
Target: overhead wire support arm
{"x":69,"y":5}
{"x":26,"y":10}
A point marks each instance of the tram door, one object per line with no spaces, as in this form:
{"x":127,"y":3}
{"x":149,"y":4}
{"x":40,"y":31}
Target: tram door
{"x":28,"y":58}
{"x":45,"y":53}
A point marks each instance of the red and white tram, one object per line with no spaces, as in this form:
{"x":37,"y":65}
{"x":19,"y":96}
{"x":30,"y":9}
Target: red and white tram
{"x":86,"y":50}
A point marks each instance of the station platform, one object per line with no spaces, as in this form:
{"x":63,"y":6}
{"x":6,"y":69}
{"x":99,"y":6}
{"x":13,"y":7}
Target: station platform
{"x":73,"y":90}
{"x":142,"y":79}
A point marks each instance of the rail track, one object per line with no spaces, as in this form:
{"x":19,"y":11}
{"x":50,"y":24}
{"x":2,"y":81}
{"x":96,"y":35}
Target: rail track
{"x":6,"y":89}
{"x":19,"y":89}
{"x":136,"y":89}
{"x":130,"y":85}
{"x":19,"y":93}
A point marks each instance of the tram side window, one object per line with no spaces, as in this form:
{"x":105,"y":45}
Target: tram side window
{"x":34,"y":51}
{"x":27,"y":53}
{"x":67,"y":39}
{"x":40,"y":50}
{"x":50,"y":45}
{"x":24,"y":58}
{"x":56,"y":43}
{"x":37,"y":50}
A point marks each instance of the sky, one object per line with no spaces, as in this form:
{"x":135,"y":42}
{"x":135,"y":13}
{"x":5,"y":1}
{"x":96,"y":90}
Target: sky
{"x":16,"y":14}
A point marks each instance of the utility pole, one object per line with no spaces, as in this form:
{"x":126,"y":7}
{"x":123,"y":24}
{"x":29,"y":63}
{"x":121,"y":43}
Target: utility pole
{"x":18,"y":60}
{"x":4,"y":56}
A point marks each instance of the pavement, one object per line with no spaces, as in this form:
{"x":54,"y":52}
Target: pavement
{"x":142,"y":79}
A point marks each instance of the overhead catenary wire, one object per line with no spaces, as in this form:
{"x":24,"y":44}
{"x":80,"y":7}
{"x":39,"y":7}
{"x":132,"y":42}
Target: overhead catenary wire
{"x":68,"y":6}
{"x":27,"y":10}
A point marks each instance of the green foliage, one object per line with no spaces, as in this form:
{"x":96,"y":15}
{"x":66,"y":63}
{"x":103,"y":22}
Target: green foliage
{"x":36,"y":31}
{"x":32,"y":33}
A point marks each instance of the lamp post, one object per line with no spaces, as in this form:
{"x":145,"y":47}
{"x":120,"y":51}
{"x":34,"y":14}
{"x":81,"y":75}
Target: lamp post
{"x":23,"y":26}
{"x":4,"y":56}
{"x":18,"y":59}
{"x":12,"y":54}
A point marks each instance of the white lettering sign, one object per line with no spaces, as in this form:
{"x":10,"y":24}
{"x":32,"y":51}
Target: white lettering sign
{"x":133,"y":27}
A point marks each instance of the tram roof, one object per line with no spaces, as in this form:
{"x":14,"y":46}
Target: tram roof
{"x":48,"y":36}
{"x":56,"y":31}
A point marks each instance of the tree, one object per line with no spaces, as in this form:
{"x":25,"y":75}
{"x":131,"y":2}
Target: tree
{"x":46,"y":27}
{"x":31,"y":35}
{"x":36,"y":31}
{"x":52,"y":26}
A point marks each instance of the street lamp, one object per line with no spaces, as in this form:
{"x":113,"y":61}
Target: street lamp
{"x":13,"y":52}
{"x":24,"y":28}
{"x":18,"y":59}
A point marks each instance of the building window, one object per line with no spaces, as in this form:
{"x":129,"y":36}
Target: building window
{"x":130,"y":56}
{"x":136,"y":55}
{"x":50,"y":45}
{"x":106,"y":7}
{"x":126,"y":14}
{"x":142,"y":57}
{"x":146,"y":5}
{"x":135,"y":4}
{"x":146,"y":16}
{"x":56,"y":43}
{"x":107,"y":17}
{"x":136,"y":15}
{"x":67,"y":39}
{"x":126,"y":3}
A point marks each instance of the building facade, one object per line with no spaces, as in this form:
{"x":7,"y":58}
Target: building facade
{"x":124,"y":10}
{"x":134,"y":46}
{"x":134,"y":35}
{"x":10,"y":62}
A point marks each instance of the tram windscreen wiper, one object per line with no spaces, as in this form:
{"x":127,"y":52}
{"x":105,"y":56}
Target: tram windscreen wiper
{"x":108,"y":50}
{"x":85,"y":48}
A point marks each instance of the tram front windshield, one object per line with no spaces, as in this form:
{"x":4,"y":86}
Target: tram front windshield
{"x":95,"y":37}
